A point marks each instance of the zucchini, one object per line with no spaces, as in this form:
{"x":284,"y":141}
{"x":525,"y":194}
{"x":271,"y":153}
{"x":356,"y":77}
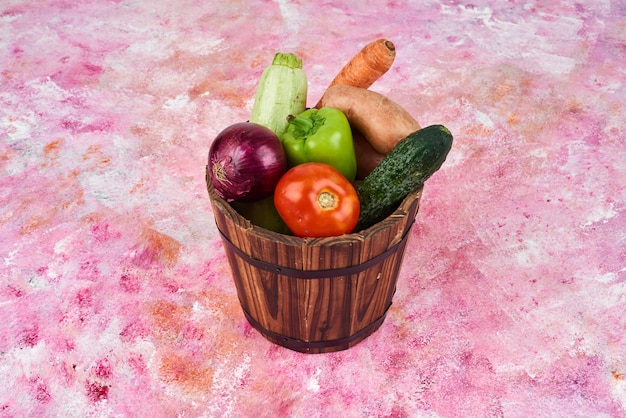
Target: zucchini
{"x":405,"y":168}
{"x":281,"y":92}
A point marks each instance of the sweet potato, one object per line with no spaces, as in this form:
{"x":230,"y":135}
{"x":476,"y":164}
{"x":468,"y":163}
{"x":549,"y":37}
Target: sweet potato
{"x":367,"y":158}
{"x":382,"y":121}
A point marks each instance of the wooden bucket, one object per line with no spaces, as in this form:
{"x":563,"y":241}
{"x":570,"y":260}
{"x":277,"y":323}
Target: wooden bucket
{"x":315,"y":295}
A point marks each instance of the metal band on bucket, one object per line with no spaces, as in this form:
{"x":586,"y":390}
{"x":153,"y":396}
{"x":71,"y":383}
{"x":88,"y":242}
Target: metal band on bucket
{"x":303,"y":346}
{"x":318,"y":274}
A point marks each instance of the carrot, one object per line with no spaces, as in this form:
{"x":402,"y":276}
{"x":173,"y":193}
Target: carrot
{"x":382,"y":121}
{"x":367,"y":66}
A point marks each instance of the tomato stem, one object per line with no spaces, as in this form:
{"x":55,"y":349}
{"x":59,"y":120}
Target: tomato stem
{"x":327,"y":200}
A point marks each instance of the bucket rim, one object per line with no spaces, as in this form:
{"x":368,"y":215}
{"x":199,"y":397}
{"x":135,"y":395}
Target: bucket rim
{"x":396,"y":216}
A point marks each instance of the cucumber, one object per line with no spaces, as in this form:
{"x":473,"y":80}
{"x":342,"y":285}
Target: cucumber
{"x":407,"y":166}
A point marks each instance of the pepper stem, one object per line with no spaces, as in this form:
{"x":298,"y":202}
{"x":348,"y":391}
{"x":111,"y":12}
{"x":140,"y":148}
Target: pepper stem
{"x":306,"y":125}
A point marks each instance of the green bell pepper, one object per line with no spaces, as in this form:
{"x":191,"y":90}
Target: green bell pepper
{"x":321,"y":135}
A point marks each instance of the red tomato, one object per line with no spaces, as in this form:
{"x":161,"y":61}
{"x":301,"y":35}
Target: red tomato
{"x":316,"y":200}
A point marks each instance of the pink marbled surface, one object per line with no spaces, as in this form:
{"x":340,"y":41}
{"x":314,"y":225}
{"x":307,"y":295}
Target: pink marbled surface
{"x":115,"y":295}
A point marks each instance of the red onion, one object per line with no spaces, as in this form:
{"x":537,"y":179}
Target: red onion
{"x":246,"y":160}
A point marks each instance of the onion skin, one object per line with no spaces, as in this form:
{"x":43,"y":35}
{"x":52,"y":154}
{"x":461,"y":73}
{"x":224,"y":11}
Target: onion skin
{"x":246,"y":160}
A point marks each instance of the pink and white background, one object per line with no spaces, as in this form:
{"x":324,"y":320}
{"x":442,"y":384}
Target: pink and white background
{"x":116,"y":299}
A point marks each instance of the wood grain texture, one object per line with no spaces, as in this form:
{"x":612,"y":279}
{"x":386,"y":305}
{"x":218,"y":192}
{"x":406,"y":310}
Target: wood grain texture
{"x":319,"y":314}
